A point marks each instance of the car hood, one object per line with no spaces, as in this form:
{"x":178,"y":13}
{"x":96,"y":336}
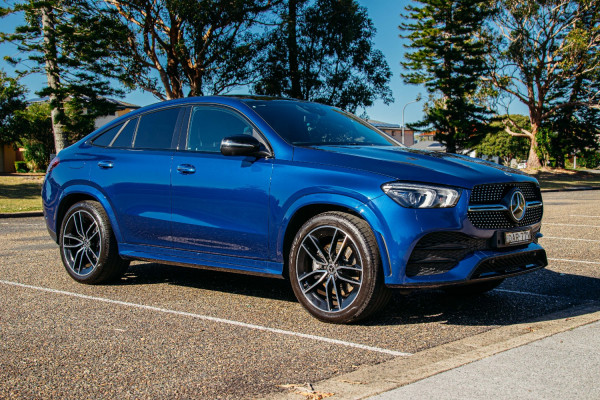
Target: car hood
{"x":412,"y":165}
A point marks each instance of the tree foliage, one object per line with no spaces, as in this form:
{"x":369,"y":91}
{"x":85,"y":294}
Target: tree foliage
{"x":34,"y":126}
{"x":72,"y":46}
{"x":547,"y":57}
{"x":12,"y":100}
{"x":498,"y":142}
{"x":322,"y":50}
{"x":446,"y":54}
{"x":179,"y":47}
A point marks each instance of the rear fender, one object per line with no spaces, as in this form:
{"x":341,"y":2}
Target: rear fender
{"x":99,"y":197}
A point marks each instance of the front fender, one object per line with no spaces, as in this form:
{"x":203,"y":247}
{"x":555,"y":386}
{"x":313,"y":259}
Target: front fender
{"x":370,"y":215}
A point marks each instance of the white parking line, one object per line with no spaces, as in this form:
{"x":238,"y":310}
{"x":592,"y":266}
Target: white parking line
{"x":575,"y":261}
{"x":566,"y":238}
{"x":212,"y":319}
{"x":8,"y":223}
{"x":557,"y":224}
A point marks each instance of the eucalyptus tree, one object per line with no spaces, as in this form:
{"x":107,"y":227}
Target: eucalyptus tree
{"x":546,"y":57}
{"x":181,"y":48}
{"x":499,"y":143}
{"x":323,"y":50}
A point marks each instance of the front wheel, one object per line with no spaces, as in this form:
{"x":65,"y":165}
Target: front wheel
{"x":88,"y":246}
{"x":335,"y":268}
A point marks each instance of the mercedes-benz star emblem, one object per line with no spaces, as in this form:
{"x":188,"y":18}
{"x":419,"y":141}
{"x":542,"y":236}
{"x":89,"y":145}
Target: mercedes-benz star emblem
{"x":517,"y":205}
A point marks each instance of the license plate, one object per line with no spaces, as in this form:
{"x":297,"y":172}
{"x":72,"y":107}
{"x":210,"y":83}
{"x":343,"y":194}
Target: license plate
{"x":517,"y":237}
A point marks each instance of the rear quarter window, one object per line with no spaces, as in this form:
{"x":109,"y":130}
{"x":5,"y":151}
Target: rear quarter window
{"x":106,"y":138}
{"x":125,"y":136}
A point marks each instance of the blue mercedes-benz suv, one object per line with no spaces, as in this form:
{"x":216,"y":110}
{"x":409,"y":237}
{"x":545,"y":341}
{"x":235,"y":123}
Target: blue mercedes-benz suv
{"x":290,"y":189}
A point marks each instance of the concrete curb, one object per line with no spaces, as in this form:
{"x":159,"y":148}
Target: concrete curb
{"x":25,"y":214}
{"x":400,"y":371}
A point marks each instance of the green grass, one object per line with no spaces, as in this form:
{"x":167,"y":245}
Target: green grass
{"x":564,"y":179}
{"x":19,"y":193}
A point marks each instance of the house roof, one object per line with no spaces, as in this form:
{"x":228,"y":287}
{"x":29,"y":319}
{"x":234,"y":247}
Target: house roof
{"x":379,"y":124}
{"x":123,"y":104}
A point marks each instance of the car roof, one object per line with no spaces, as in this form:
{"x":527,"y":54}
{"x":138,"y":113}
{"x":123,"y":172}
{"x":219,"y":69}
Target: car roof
{"x":220,"y":99}
{"x":236,"y":101}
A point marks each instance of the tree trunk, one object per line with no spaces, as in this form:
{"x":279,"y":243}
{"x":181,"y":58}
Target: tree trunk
{"x":292,"y":43}
{"x":450,"y":146}
{"x":449,"y":140}
{"x":533,"y":161}
{"x":52,"y":74}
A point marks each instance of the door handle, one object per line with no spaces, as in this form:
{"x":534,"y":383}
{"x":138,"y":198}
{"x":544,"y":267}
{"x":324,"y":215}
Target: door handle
{"x":105,"y":164}
{"x":186,"y":169}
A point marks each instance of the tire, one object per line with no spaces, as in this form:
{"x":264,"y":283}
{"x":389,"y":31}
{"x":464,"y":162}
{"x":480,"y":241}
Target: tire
{"x":335,"y":254}
{"x":473,"y":289}
{"x":88,"y":247}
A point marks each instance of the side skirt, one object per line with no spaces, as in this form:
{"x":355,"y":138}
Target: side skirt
{"x":207,"y":261}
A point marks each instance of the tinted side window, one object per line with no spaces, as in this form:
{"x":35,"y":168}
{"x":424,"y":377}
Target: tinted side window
{"x":107,"y":137}
{"x":209,"y":125}
{"x":155,"y":130}
{"x":125,"y":137}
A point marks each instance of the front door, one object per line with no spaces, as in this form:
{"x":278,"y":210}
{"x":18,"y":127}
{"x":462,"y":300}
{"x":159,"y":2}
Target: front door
{"x":220,"y":203}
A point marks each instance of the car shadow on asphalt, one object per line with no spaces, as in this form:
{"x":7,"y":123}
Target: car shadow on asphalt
{"x":226,"y":282}
{"x":527,"y":297}
{"x":524,"y":298}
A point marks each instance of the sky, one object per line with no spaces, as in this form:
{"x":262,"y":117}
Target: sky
{"x":386,"y":16}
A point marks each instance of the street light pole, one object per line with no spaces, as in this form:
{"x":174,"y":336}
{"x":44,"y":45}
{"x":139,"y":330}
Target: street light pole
{"x":410,"y":102}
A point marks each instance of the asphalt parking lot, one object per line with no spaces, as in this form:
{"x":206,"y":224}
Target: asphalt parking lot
{"x":172,"y":332}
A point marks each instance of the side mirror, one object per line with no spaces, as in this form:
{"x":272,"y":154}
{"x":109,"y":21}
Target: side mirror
{"x":242,"y":145}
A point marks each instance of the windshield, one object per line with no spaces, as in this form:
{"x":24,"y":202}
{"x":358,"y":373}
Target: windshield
{"x":311,"y":124}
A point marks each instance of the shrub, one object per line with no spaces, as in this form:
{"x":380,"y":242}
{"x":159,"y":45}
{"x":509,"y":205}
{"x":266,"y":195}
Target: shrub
{"x":589,"y":159}
{"x":21,"y":166}
{"x":37,"y":155}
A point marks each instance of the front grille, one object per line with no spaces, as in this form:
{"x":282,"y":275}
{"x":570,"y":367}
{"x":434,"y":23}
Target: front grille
{"x":494,"y":193}
{"x":501,"y":220}
{"x":439,"y":252}
{"x":510,"y":264}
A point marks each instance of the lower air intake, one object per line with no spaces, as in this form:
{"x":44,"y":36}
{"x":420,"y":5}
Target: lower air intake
{"x":510,"y":264}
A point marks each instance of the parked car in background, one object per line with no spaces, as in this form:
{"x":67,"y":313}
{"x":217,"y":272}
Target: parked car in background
{"x":288,"y":189}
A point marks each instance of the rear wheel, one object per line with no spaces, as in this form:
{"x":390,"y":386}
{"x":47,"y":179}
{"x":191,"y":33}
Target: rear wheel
{"x":87,"y":245}
{"x":335,"y":268}
{"x":473,"y":289}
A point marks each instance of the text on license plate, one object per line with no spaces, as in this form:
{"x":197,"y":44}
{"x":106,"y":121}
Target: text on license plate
{"x":517,"y":237}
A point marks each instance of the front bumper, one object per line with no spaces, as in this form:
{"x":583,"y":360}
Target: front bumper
{"x":483,"y":266}
{"x":403,"y":228}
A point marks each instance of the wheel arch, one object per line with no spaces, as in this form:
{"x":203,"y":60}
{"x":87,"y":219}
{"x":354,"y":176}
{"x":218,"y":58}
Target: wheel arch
{"x":310,"y":206}
{"x":75,"y":194}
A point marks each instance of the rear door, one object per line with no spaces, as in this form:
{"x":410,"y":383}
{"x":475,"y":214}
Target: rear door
{"x":220,"y":203}
{"x":134,"y":170}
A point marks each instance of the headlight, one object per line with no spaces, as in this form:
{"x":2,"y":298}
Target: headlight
{"x":412,"y":195}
